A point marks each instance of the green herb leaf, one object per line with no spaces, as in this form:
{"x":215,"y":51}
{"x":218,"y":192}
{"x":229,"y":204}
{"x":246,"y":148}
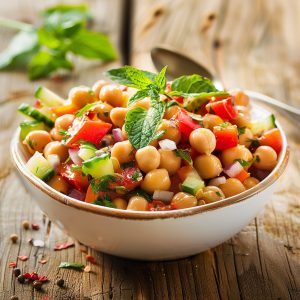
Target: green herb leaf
{"x":141,"y":94}
{"x":43,"y":64}
{"x":172,"y":103}
{"x":71,"y":265}
{"x":131,"y":77}
{"x":241,"y":130}
{"x":105,"y":201}
{"x":158,"y":134}
{"x":86,"y":108}
{"x":243,"y":162}
{"x":160,"y":79}
{"x":136,"y":176}
{"x":184,"y":154}
{"x":20,"y":50}
{"x":91,"y":44}
{"x":102,"y":184}
{"x":141,"y":193}
{"x":141,"y":124}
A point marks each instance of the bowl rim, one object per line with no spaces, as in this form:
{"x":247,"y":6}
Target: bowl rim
{"x":18,"y":161}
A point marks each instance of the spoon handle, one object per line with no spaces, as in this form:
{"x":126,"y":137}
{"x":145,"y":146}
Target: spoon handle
{"x":274,"y":102}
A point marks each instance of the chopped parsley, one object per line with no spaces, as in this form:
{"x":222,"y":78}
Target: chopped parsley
{"x":241,"y":130}
{"x":102,"y":184}
{"x":184,"y":154}
{"x":243,"y":162}
{"x":136,"y":176}
{"x":224,"y":125}
{"x":105,"y":201}
{"x":219,"y":194}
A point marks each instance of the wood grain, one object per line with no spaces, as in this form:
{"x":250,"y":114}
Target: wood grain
{"x":253,"y":46}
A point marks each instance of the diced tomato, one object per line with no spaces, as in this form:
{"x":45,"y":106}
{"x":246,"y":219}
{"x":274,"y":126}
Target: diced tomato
{"x":168,"y":87}
{"x":185,"y":123}
{"x":223,"y":108}
{"x":175,"y":184}
{"x":178,"y":99}
{"x":38,"y":103}
{"x":90,"y":131}
{"x":227,"y":137}
{"x":242,"y":175}
{"x":217,"y":98}
{"x":184,"y":171}
{"x":157,"y":205}
{"x":272,"y":138}
{"x":130,"y":179}
{"x":66,"y":109}
{"x":74,"y":177}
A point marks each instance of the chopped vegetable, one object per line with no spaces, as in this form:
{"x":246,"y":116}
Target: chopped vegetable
{"x":185,"y":123}
{"x":47,"y":97}
{"x":40,"y":166}
{"x":98,"y":166}
{"x":28,"y":126}
{"x":258,"y":126}
{"x":223,"y":108}
{"x":272,"y":138}
{"x":226,"y":137}
{"x":192,"y":185}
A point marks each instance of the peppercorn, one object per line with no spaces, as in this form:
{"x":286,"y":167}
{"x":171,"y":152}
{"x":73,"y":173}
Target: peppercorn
{"x":21,"y":278}
{"x":26,"y":224}
{"x":17,"y":272}
{"x":60,"y":282}
{"x":14,"y":298}
{"x":13,"y":237}
{"x":37,"y":285}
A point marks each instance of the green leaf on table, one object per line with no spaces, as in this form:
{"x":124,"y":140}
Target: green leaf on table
{"x":20,"y":50}
{"x":185,"y":155}
{"x":131,"y":77}
{"x":71,"y":265}
{"x":160,"y":79}
{"x":91,"y":44}
{"x":141,"y":124}
{"x":44,"y":64}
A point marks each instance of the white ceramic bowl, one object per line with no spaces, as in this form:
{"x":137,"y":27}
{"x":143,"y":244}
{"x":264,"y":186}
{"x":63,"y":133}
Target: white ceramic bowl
{"x":150,"y":235}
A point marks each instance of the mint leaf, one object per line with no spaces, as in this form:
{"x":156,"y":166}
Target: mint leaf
{"x":141,"y":124}
{"x":102,"y":184}
{"x":131,"y":77}
{"x":184,"y":154}
{"x":193,"y":84}
{"x":160,"y":79}
{"x":141,"y":94}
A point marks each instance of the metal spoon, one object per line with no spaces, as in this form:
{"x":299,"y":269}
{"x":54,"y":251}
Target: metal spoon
{"x":179,"y":64}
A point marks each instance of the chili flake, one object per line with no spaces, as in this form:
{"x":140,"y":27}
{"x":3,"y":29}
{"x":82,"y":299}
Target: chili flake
{"x":23,"y":257}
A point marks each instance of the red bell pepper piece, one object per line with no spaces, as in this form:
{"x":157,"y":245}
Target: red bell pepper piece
{"x":185,"y":123}
{"x":66,"y":109}
{"x":90,"y":131}
{"x":272,"y":138}
{"x":242,"y":175}
{"x":227,"y":137}
{"x":223,"y":108}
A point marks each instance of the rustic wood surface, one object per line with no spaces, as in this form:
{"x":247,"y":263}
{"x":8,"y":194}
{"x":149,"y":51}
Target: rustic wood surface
{"x":251,"y":44}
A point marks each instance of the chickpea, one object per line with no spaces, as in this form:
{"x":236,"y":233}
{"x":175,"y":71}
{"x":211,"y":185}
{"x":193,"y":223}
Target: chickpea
{"x":171,"y":111}
{"x":147,"y":158}
{"x":212,"y":194}
{"x":242,"y":120}
{"x":103,"y":112}
{"x":265,"y":158}
{"x":112,"y":95}
{"x":157,"y":179}
{"x":116,"y":164}
{"x":58,"y":183}
{"x":246,"y":137}
{"x":137,"y":203}
{"x":172,"y":133}
{"x":240,"y":98}
{"x":232,"y":187}
{"x":184,"y":200}
{"x":126,"y":96}
{"x":81,"y":95}
{"x":56,"y":148}
{"x":169,"y":161}
{"x":203,"y":140}
{"x":123,"y":151}
{"x":98,"y":85}
{"x":64,"y":122}
{"x":143,"y":103}
{"x":36,"y":140}
{"x":250,"y":182}
{"x":209,"y":121}
{"x":120,"y":203}
{"x":229,"y":156}
{"x":118,"y":115}
{"x":208,"y":166}
{"x":55,"y":135}
{"x":124,"y":133}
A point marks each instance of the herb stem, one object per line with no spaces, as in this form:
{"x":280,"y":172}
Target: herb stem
{"x":15,"y":24}
{"x":170,"y":98}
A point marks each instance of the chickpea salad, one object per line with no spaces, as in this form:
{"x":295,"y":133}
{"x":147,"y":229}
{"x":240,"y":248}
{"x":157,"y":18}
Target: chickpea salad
{"x":145,"y":144}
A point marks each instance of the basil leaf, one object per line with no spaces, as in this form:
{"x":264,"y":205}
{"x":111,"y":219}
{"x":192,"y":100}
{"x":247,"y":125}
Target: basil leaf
{"x":184,"y":154}
{"x":44,"y":63}
{"x":71,"y":265}
{"x":193,"y":84}
{"x":91,"y":44}
{"x":138,"y":95}
{"x":131,"y":77}
{"x":20,"y":50}
{"x":160,"y":79}
{"x":141,"y":124}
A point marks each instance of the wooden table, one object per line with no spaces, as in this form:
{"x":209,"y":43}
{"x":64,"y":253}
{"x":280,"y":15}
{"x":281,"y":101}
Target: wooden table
{"x":251,"y":44}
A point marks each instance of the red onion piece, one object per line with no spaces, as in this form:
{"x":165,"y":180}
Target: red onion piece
{"x":76,"y":195}
{"x":54,"y":161}
{"x":73,"y":152}
{"x":164,"y":196}
{"x":217,"y":181}
{"x":234,"y":169}
{"x":117,"y":134}
{"x":167,"y":144}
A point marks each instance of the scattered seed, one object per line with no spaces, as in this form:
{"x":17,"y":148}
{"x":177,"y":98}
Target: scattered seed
{"x":38,"y":243}
{"x":14,"y":298}
{"x":60,"y":282}
{"x":35,"y":226}
{"x":17,"y":272}
{"x":87,"y":269}
{"x":23,"y":257}
{"x":21,"y":278}
{"x":13,"y":237}
{"x":12,"y":264}
{"x":43,"y":261}
{"x":37,"y":285}
{"x":26,"y":224}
